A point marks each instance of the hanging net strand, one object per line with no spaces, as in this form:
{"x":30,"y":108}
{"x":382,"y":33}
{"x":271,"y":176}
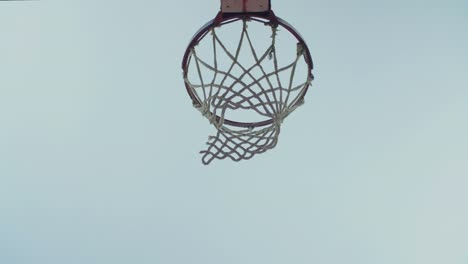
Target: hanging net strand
{"x":229,"y":90}
{"x":239,"y":145}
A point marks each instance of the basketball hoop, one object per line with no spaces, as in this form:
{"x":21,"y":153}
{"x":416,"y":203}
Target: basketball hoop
{"x":249,"y":80}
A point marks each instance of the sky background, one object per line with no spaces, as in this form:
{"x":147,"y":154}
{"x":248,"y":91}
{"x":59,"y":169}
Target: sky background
{"x":99,"y":142}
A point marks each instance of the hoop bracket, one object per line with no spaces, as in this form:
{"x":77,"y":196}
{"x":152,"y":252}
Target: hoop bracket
{"x":245,"y":6}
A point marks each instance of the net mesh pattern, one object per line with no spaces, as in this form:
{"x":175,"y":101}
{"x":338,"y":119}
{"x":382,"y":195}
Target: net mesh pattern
{"x":269,"y":96}
{"x":241,"y":144}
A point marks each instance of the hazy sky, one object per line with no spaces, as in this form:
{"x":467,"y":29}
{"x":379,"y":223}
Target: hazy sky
{"x":99,"y":142}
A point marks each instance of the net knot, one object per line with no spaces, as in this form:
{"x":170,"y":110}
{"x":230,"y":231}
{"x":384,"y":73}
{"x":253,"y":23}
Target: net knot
{"x":278,"y":120}
{"x":274,"y":30}
{"x":300,"y":49}
{"x":205,"y":111}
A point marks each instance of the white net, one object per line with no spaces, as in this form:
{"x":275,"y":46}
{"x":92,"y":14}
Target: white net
{"x":246,"y":81}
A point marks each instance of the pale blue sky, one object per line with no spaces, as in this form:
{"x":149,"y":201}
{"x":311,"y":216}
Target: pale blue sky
{"x":99,"y":142}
